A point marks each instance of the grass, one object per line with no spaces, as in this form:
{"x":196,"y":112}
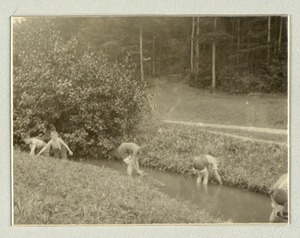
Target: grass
{"x":52,"y":191}
{"x":246,"y":164}
{"x":178,"y":101}
{"x":252,"y":134}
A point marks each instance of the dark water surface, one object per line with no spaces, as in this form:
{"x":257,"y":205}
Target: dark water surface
{"x":239,"y":205}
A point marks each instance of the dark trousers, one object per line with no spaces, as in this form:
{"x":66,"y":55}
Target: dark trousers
{"x":60,"y":153}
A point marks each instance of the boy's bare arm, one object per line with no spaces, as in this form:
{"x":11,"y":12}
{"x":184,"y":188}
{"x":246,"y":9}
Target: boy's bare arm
{"x":217,"y":176}
{"x":66,"y":146}
{"x":32,"y":149}
{"x":135,"y":162}
{"x":44,"y":148}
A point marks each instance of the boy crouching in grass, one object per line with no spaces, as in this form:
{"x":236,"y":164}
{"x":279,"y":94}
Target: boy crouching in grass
{"x":129,"y":153}
{"x":279,"y":200}
{"x":35,"y":143}
{"x":58,"y":146}
{"x":201,"y":165}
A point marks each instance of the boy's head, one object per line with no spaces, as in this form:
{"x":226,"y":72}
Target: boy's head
{"x":53,"y":135}
{"x":27,"y":139}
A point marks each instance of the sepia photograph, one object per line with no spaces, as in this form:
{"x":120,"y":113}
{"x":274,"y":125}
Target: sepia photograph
{"x":150,"y":120}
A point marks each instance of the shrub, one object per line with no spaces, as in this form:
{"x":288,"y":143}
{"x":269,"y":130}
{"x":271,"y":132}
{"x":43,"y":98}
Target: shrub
{"x":274,"y":75}
{"x":236,"y":82}
{"x":89,"y":100}
{"x":200,"y":79}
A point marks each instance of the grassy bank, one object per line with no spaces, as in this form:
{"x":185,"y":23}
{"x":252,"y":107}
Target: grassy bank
{"x":252,"y":135}
{"x":52,"y":191}
{"x":245,"y":164}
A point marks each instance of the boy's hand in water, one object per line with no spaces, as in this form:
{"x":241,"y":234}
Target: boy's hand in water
{"x":142,"y":173}
{"x":71,"y":153}
{"x":195,"y":171}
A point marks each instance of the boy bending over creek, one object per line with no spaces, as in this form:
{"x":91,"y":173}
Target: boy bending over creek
{"x":279,"y":200}
{"x":201,"y":165}
{"x":129,"y":152}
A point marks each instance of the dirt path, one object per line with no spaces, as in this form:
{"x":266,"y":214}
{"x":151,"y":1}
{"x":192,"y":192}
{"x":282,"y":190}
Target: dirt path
{"x":244,"y":128}
{"x":231,"y":135}
{"x":177,"y":102}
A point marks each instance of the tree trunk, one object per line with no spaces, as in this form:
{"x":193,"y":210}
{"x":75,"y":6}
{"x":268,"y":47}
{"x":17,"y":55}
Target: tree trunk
{"x":248,"y":44}
{"x":233,"y":27}
{"x":197,"y":46}
{"x":141,"y":53}
{"x":192,"y":43}
{"x":280,"y":35}
{"x":213,"y":86}
{"x":238,"y":42}
{"x":159,"y":59}
{"x":269,"y":38}
{"x":153,"y":58}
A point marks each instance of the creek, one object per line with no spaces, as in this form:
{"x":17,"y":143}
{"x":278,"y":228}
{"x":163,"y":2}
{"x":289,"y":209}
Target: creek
{"x":238,"y":205}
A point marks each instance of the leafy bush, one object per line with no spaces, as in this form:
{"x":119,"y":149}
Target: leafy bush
{"x":236,"y":82}
{"x":200,"y":79}
{"x":274,"y":75}
{"x":89,"y":100}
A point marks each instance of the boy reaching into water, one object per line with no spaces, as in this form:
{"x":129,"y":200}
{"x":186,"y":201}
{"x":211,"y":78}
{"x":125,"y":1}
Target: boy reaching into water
{"x":35,"y":143}
{"x":129,"y":153}
{"x":279,"y":200}
{"x":201,"y":165}
{"x":58,"y":145}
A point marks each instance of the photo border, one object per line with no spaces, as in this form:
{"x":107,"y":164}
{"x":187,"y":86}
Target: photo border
{"x":207,"y":8}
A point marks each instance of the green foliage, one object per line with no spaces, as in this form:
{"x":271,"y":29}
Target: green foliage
{"x":269,"y":77}
{"x":240,"y":82}
{"x":245,"y":60}
{"x":274,"y":75}
{"x":45,"y":193}
{"x":200,"y":78}
{"x":242,"y":48}
{"x":91,"y":101}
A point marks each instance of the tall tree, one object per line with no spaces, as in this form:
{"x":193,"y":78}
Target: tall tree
{"x":213,"y":86}
{"x":192,"y":43}
{"x":141,"y":54}
{"x":197,"y":45}
{"x":153,"y":57}
{"x":280,"y":35}
{"x":238,"y":40}
{"x":269,"y":38}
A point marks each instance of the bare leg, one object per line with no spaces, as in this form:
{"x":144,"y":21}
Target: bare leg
{"x":46,"y":152}
{"x":273,"y":217}
{"x":129,"y":168}
{"x":205,"y":180}
{"x":135,"y":165}
{"x":199,"y":179}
